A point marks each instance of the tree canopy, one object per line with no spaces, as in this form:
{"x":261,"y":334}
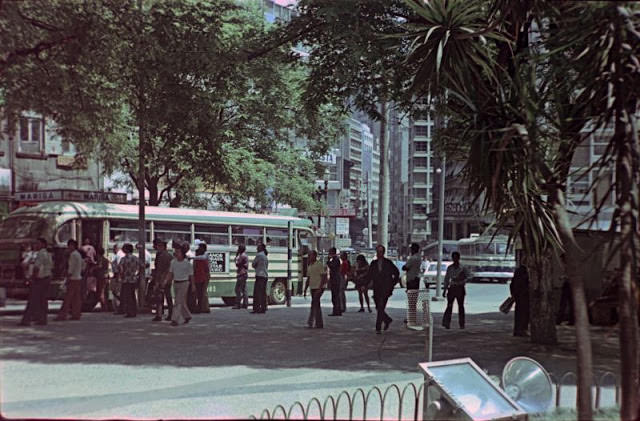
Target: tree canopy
{"x":180,"y":70}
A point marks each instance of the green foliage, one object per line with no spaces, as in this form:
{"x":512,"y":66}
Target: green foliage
{"x":175,"y":75}
{"x":354,"y":59}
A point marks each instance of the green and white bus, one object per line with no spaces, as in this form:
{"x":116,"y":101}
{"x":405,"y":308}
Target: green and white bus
{"x":488,"y":257}
{"x":109,"y":224}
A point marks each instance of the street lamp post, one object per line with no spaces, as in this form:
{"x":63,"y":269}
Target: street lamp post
{"x":440,"y":171}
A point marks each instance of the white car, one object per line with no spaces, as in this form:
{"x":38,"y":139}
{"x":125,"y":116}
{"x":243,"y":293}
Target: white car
{"x":431,"y":272}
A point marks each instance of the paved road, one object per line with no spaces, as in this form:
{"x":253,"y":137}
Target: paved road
{"x":233,"y":364}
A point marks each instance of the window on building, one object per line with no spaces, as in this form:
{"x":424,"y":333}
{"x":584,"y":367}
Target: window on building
{"x":419,"y":209}
{"x":578,"y":183}
{"x":212,"y":234}
{"x":31,"y":135}
{"x":420,"y":162}
{"x":600,"y":144}
{"x":421,"y":131}
{"x":419,"y":193}
{"x":420,"y":225}
{"x":420,"y":178}
{"x":421,"y":146}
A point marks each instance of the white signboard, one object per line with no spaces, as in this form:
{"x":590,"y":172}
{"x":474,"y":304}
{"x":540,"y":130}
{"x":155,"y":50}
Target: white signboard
{"x":342,"y":226}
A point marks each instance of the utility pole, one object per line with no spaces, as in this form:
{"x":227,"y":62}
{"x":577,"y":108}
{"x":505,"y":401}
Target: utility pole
{"x":369,"y":210}
{"x":383,"y":200}
{"x":440,"y":226}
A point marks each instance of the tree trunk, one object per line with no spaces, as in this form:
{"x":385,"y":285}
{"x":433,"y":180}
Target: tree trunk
{"x":383,"y":200}
{"x":152,"y":186}
{"x":628,"y":315}
{"x":543,"y":323}
{"x":583,"y":337}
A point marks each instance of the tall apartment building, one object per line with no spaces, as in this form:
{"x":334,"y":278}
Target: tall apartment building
{"x":359,"y":174}
{"x":399,"y":216}
{"x":411,"y":178}
{"x":35,"y":160}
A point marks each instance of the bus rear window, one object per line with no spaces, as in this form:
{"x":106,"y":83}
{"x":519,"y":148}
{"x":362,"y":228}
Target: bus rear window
{"x":22,"y":227}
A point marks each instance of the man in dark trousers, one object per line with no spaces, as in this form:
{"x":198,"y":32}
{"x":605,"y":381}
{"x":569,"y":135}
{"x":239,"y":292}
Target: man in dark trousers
{"x":454,"y":280}
{"x":335,"y":281}
{"x":520,"y":292}
{"x":384,"y":276}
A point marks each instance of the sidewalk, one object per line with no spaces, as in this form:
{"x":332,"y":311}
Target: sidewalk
{"x":232,"y":363}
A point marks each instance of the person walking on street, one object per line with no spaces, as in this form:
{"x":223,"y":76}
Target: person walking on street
{"x":101,"y":272}
{"x":181,"y":274}
{"x":201,"y":273}
{"x":128,"y":271}
{"x":37,"y":306}
{"x":412,"y":267}
{"x":520,"y":292}
{"x":345,"y":274}
{"x":362,"y":280}
{"x":242,"y":274}
{"x":73,"y":297}
{"x":315,"y":273}
{"x":261,"y":266}
{"x":454,"y":280}
{"x":335,"y":282}
{"x":384,"y":275}
{"x":115,"y":286}
{"x":159,"y":276}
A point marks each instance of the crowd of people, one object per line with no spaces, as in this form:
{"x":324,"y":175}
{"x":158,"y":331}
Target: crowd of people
{"x":186,"y":275}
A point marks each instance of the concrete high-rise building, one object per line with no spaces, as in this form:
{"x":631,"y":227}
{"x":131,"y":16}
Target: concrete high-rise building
{"x":411,"y":177}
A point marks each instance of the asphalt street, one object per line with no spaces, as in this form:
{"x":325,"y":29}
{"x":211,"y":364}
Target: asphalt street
{"x":231,"y":363}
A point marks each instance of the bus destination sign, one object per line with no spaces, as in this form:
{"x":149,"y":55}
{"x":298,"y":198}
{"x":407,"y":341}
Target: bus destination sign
{"x":218,"y":262}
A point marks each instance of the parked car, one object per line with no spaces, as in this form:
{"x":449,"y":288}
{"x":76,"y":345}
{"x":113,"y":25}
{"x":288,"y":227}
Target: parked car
{"x":431,"y":272}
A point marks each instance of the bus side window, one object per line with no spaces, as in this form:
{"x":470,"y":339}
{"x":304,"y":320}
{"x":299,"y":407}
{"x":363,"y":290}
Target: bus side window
{"x":279,"y":237}
{"x":170,"y":231}
{"x":249,"y":236}
{"x":212,"y":234}
{"x":126,"y":231}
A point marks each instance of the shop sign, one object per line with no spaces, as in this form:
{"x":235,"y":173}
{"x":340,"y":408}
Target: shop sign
{"x":71,"y":196}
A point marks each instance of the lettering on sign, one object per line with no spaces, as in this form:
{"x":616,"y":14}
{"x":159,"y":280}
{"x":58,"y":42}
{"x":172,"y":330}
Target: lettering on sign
{"x":72,"y":195}
{"x":460,"y":208}
{"x":218,"y":262}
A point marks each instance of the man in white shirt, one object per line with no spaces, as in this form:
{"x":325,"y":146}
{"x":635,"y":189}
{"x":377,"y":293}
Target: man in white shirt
{"x":37,"y":306}
{"x":73,"y":297}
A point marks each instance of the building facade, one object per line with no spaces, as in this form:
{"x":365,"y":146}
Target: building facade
{"x":34,"y":158}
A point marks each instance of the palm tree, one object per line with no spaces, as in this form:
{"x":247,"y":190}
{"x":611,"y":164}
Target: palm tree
{"x":521,"y":107}
{"x":480,"y":53}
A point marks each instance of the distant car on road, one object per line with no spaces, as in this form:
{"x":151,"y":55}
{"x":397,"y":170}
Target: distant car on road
{"x":431,"y":272}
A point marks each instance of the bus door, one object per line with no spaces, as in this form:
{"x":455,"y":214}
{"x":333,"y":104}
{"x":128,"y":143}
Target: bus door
{"x":93,"y":230}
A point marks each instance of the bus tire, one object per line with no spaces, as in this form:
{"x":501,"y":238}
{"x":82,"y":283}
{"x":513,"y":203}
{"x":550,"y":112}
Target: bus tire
{"x":229,"y":301}
{"x":278,"y":294}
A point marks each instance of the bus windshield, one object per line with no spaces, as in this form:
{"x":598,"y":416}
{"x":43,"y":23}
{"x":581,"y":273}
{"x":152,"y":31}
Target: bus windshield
{"x":18,"y":227}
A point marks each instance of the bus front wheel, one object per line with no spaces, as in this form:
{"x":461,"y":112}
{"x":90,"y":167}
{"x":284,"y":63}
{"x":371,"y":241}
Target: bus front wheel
{"x":278,"y":293}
